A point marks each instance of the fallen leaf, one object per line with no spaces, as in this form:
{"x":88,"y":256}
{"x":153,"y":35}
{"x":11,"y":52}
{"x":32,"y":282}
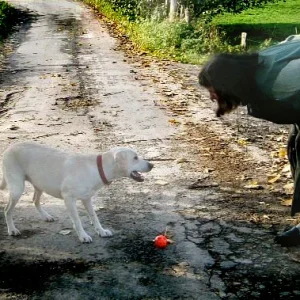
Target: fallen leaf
{"x":253,"y":186}
{"x":282,"y":153}
{"x":65,"y":232}
{"x":289,"y":188}
{"x":161,"y":182}
{"x":97,"y":208}
{"x":280,"y":139}
{"x":14,"y":127}
{"x":182,"y":160}
{"x":170,"y":241}
{"x":202,"y":185}
{"x":173,"y":121}
{"x":242,"y":142}
{"x":286,"y":168}
{"x":286,"y":202}
{"x":180,"y":269}
{"x":273,"y":178}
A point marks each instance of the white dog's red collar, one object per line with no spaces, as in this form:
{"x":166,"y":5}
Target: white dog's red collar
{"x":101,"y":171}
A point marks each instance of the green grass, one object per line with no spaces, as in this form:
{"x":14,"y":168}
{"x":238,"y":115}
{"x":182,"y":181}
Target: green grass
{"x":274,"y":21}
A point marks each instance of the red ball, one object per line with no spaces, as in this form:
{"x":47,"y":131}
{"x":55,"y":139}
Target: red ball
{"x":161,"y":241}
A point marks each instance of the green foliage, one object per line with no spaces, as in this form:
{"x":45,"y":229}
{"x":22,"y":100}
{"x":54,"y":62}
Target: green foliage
{"x":126,"y":8}
{"x":152,"y":10}
{"x":179,"y":40}
{"x":207,"y":39}
{"x":164,"y":35}
{"x":190,"y":43}
{"x":8,"y":17}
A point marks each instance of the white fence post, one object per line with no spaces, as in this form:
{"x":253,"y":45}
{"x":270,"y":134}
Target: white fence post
{"x":243,"y":39}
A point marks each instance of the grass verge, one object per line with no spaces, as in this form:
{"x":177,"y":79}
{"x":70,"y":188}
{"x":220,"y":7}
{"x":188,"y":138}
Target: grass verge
{"x":271,"y":23}
{"x":179,"y":41}
{"x":192,"y":43}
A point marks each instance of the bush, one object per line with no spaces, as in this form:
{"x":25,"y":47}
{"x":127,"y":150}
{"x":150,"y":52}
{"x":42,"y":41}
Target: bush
{"x":162,"y":35}
{"x":180,"y":41}
{"x":8,"y":18}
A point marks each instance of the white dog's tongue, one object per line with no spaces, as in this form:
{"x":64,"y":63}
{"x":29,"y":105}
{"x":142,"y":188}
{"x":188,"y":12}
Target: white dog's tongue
{"x":137,"y":176}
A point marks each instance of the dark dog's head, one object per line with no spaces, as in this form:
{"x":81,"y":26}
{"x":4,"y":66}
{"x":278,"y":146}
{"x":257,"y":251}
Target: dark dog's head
{"x":230,"y":80}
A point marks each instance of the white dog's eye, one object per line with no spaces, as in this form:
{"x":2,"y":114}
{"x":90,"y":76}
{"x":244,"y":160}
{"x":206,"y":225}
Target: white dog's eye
{"x":136,"y":158}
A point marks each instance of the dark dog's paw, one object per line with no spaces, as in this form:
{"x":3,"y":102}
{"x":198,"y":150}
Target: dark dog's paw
{"x":289,"y":238}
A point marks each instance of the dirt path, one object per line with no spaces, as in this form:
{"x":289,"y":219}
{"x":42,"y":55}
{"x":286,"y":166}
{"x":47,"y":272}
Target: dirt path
{"x":68,"y":83}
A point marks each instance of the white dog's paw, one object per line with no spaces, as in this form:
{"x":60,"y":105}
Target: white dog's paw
{"x":104,"y":232}
{"x":47,"y":218}
{"x":85,"y":238}
{"x":14,"y":232}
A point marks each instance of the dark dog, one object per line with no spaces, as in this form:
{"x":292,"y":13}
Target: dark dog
{"x":267,"y":82}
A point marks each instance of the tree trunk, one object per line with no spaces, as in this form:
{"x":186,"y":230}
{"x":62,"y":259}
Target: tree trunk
{"x":187,"y":16}
{"x":182,"y":12}
{"x":173,"y":9}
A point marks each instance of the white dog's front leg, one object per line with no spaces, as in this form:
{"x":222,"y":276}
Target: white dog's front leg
{"x":71,"y":207}
{"x":98,"y":227}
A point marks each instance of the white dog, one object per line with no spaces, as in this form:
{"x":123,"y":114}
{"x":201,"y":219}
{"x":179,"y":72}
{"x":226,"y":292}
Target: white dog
{"x":67,"y":176}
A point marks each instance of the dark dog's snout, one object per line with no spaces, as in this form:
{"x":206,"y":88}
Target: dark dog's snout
{"x":150,"y":166}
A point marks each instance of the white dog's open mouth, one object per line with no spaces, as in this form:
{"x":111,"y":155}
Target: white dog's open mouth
{"x":136,"y":176}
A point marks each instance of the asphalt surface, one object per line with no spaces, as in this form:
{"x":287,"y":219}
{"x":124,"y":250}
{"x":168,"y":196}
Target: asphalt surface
{"x":66,"y":83}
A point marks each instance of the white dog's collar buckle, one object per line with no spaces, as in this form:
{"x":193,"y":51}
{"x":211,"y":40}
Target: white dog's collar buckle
{"x":101,"y":171}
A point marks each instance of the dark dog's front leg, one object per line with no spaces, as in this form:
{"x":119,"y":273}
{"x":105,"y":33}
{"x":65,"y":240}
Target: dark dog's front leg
{"x":291,"y":149}
{"x":292,"y":236}
{"x":289,"y":238}
{"x":294,"y":158}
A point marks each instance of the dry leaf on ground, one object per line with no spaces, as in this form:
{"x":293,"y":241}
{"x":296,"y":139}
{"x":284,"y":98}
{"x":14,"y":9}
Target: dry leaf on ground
{"x":286,"y":202}
{"x":273,"y":178}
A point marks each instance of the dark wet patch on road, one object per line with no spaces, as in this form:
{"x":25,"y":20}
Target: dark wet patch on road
{"x":79,"y":100}
{"x":252,"y":284}
{"x":135,"y":249}
{"x":21,"y":276}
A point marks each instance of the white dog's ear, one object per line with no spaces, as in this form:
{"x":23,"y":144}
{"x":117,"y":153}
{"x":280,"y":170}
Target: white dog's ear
{"x":120,"y":160}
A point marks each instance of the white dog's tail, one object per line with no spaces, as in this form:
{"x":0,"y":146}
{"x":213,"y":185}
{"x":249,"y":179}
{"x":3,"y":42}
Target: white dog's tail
{"x":3,"y":184}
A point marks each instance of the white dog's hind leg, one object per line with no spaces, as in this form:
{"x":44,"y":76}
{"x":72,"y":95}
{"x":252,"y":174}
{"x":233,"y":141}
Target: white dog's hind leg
{"x":71,"y":207}
{"x":36,"y":199}
{"x":98,"y":227}
{"x":15,"y":193}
